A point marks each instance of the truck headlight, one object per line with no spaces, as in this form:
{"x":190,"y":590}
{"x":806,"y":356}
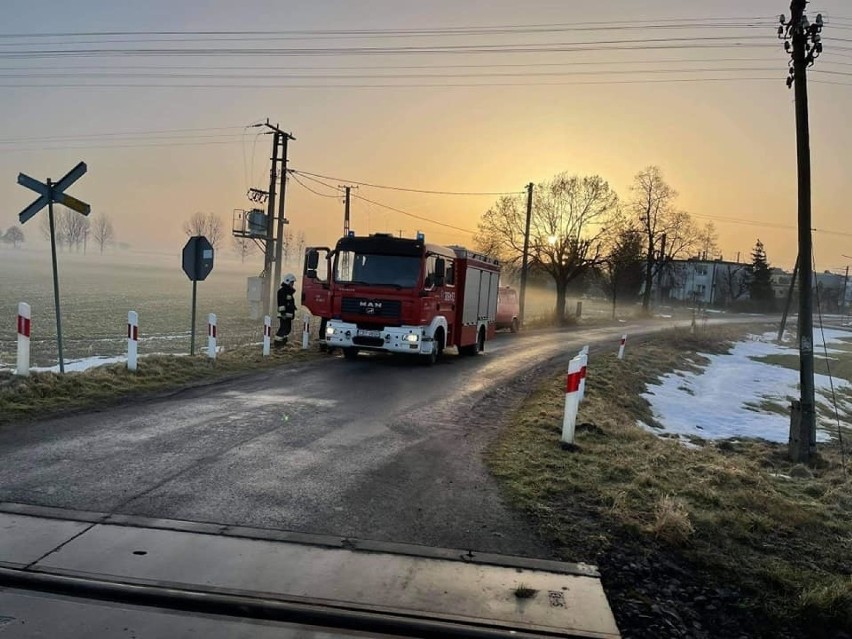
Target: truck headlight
{"x":411,"y":337}
{"x":329,"y":331}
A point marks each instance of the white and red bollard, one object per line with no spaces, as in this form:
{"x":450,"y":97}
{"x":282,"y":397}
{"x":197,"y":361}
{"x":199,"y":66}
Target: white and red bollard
{"x":584,"y":362}
{"x":24,"y":317}
{"x":572,"y":401}
{"x":267,"y":335}
{"x":621,"y":347}
{"x":306,"y":330}
{"x":211,"y":336}
{"x":132,"y":339}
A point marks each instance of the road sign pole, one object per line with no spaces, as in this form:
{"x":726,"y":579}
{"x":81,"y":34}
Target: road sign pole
{"x":192,"y":332}
{"x":55,"y":278}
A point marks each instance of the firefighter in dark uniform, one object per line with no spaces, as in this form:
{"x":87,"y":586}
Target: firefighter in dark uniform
{"x":286,"y":308}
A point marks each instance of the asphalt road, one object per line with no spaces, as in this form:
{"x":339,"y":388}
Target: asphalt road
{"x":375,"y":449}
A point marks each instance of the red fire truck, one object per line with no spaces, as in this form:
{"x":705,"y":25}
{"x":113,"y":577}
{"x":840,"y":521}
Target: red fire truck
{"x":402,"y":295}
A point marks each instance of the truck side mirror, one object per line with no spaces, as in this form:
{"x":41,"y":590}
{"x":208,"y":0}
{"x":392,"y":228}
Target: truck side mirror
{"x":440,"y":271}
{"x":311,"y":263}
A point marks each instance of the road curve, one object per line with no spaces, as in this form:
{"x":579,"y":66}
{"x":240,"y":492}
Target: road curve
{"x":378,"y":448}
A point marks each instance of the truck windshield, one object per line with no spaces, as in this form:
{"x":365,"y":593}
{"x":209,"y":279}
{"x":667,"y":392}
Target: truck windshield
{"x":402,"y":271}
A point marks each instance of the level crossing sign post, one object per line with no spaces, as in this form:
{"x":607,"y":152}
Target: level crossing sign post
{"x":50,"y":192}
{"x":197,"y":264}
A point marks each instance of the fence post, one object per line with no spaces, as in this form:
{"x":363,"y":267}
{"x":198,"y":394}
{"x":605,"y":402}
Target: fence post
{"x":132,"y":339}
{"x":572,"y":393}
{"x":211,"y":336}
{"x":24,"y":321}
{"x":584,"y":362}
{"x":306,"y":329}
{"x":267,"y":334}
{"x":621,"y":347}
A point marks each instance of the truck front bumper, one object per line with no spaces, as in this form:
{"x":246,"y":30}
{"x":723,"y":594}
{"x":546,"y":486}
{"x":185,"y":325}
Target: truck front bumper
{"x":393,"y":339}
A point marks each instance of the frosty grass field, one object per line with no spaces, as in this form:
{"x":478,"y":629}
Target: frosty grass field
{"x":97,"y":292}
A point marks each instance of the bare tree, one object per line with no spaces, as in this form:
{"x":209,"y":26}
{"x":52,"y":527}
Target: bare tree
{"x":569,"y":216}
{"x":103,"y":231}
{"x":209,"y":225}
{"x":14,"y":236}
{"x":44,"y":228}
{"x":73,"y":227}
{"x":653,"y":203}
{"x":734,"y":282}
{"x":293,"y":247}
{"x":707,"y":241}
{"x":620,"y":272}
{"x":243,"y":246}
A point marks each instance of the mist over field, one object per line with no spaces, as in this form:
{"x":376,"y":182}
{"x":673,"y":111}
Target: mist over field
{"x":97,"y":291}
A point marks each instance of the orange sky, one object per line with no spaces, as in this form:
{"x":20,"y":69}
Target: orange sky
{"x":727,"y":147}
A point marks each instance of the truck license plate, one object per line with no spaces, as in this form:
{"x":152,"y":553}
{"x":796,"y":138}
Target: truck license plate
{"x":363,"y":332}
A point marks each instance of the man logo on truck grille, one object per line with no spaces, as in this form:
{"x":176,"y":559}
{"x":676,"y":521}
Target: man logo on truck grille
{"x":370,"y":307}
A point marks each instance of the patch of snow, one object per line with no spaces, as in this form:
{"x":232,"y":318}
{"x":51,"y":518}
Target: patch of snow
{"x":79,"y":365}
{"x":663,"y":316}
{"x":716,"y":406}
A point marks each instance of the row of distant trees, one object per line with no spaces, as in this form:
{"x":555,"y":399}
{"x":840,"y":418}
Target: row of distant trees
{"x":211,"y":226}
{"x":73,"y":231}
{"x":581,"y":229}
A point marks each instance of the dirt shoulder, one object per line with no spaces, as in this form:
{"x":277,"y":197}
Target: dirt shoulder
{"x":724,"y":539}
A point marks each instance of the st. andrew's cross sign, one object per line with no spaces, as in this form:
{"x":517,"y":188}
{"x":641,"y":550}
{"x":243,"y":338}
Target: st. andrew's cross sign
{"x":50,"y":192}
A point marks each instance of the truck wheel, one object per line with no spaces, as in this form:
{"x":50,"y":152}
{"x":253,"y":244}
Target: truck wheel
{"x":515,"y":326}
{"x":433,"y":357}
{"x":350,"y":353}
{"x":478,"y":347}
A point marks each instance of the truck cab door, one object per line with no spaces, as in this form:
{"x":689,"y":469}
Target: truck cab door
{"x":316,"y":288}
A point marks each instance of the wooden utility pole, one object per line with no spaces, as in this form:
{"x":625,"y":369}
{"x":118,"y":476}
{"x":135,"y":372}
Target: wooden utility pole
{"x":269,"y":249}
{"x":806,"y":46}
{"x":346,"y":202}
{"x":525,"y":259}
{"x":281,"y":221}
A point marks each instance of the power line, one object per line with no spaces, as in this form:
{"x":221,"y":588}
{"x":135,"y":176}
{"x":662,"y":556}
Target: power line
{"x":432,"y":85}
{"x":302,"y":184}
{"x":120,"y":146}
{"x":391,"y":208}
{"x":590,"y":45}
{"x":272,"y":37}
{"x":386,"y":76}
{"x":392,"y":67}
{"x":415,"y":216}
{"x":401,"y":188}
{"x":122,"y":134}
{"x":717,"y":22}
{"x":372,"y":76}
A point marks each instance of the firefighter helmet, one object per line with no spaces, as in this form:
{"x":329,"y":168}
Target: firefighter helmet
{"x":289,"y":279}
